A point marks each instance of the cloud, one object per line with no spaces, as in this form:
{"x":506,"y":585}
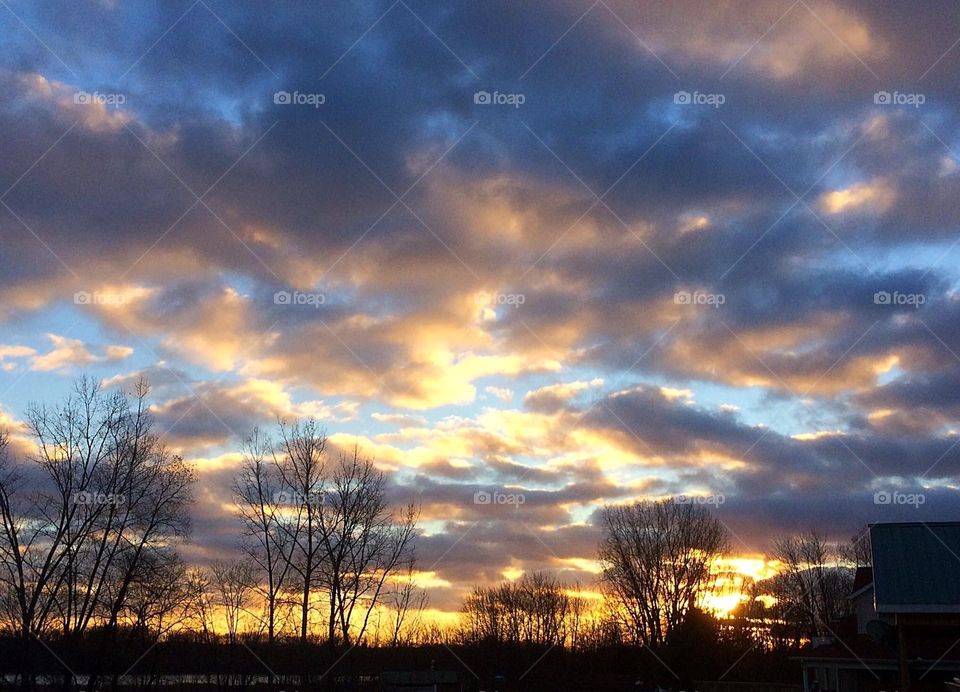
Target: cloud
{"x":875,"y":197}
{"x":537,"y":254}
{"x":553,"y":396}
{"x":9,"y":354}
{"x":21,"y":442}
{"x":504,"y":394}
{"x":95,"y":111}
{"x":70,"y":354}
{"x":208,"y":413}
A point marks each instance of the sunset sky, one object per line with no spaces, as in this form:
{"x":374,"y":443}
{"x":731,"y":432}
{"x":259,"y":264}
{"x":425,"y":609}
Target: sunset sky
{"x":577,"y":253}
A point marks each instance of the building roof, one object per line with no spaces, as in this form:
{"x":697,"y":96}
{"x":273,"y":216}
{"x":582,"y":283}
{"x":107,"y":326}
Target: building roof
{"x":863,"y":579}
{"x":916,"y":567}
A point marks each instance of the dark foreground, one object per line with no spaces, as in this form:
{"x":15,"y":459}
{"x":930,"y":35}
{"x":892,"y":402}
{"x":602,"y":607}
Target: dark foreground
{"x":253,"y":666}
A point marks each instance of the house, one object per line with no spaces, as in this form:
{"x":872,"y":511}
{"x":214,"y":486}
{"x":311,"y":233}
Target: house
{"x":907,"y":612}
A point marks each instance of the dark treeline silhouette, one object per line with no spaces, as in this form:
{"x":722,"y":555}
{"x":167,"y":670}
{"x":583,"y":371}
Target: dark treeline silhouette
{"x":94,"y":593}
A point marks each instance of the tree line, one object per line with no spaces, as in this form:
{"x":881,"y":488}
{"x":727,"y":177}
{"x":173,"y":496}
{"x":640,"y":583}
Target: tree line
{"x":659,"y":562}
{"x":93,"y":522}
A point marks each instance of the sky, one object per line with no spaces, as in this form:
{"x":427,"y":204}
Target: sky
{"x":531,"y":257}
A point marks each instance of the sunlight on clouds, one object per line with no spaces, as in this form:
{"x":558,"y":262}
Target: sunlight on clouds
{"x":755,"y":568}
{"x":10,"y":353}
{"x":114,"y":297}
{"x":778,"y":356}
{"x":386,"y":456}
{"x":273,"y":396}
{"x":216,"y":334}
{"x":480,"y":351}
{"x":212,"y":412}
{"x":692,"y":223}
{"x":814,"y":36}
{"x":560,"y":391}
{"x":616,"y":448}
{"x":820,"y":434}
{"x":21,"y":440}
{"x":430,"y":580}
{"x":67,"y":354}
{"x":512,"y":573}
{"x":96,"y":115}
{"x":874,"y":197}
{"x":734,"y":574}
{"x":801,"y":39}
{"x":717,"y":459}
{"x":880,"y":414}
{"x":221,"y":462}
{"x":580,"y":564}
{"x":117,"y":352}
{"x":527,"y":430}
{"x":450,"y":376}
{"x":673,"y":393}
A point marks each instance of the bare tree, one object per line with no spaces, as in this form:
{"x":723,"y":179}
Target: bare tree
{"x":105,"y":498}
{"x":81,"y":525}
{"x":858,"y":552}
{"x":407,"y":604}
{"x":159,"y":600}
{"x":364,"y":544}
{"x":299,"y":462}
{"x":532,"y":610}
{"x":814,"y":583}
{"x":12,"y":523}
{"x":199,"y":600}
{"x":234,"y":585}
{"x":269,"y":543}
{"x":657,"y":560}
{"x":317,"y":528}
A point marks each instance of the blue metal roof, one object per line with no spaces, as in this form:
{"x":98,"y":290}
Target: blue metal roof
{"x":916,"y":567}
